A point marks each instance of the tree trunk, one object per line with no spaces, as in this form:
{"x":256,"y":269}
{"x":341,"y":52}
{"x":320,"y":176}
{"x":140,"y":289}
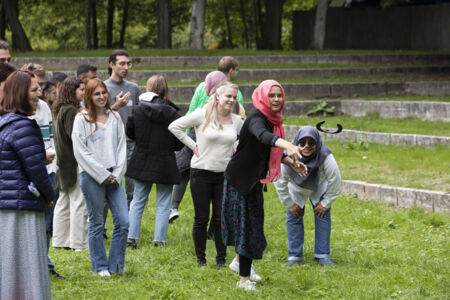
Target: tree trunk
{"x":320,"y":24}
{"x":257,"y":22}
{"x":124,"y":24}
{"x":94,"y":24}
{"x":197,"y":24}
{"x":19,"y":38}
{"x":227,"y":20}
{"x":272,"y":24}
{"x":87,"y":25}
{"x":164,"y":25}
{"x":2,"y":24}
{"x":244,"y":21}
{"x":109,"y":24}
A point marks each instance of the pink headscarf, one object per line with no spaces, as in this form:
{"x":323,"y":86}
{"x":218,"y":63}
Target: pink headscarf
{"x":212,"y":81}
{"x":261,"y":101}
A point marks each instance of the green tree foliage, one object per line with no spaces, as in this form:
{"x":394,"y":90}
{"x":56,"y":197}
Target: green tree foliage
{"x":59,"y":24}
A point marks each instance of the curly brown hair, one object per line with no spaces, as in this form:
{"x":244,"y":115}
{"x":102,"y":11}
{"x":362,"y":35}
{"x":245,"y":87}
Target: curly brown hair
{"x":67,"y":94}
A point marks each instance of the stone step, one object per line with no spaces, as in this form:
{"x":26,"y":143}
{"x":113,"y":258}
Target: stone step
{"x":337,"y":90}
{"x":67,"y":63}
{"x":433,"y":201}
{"x":431,"y":111}
{"x":377,"y":137}
{"x":277,"y":74}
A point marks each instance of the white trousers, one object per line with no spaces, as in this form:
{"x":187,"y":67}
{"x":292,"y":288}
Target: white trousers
{"x":70,"y":226}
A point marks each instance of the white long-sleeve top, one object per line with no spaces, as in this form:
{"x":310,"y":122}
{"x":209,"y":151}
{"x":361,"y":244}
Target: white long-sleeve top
{"x":97,"y":151}
{"x":215,"y":145}
{"x":328,"y":189}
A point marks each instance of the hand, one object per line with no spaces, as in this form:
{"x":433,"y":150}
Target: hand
{"x":110,"y":179}
{"x":121,"y":101}
{"x":296,"y":210}
{"x":49,"y":157}
{"x":196,"y":151}
{"x":48,"y":205}
{"x":301,"y":169}
{"x":294,"y":153}
{"x":320,"y":210}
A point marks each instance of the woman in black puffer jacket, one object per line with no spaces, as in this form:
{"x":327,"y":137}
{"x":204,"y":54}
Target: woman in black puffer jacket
{"x":153,"y":159}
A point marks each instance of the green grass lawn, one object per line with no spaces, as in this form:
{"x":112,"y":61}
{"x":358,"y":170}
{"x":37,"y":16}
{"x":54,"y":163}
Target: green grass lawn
{"x":381,"y":252}
{"x":376,"y":124}
{"x":406,"y":166}
{"x":220,"y":52}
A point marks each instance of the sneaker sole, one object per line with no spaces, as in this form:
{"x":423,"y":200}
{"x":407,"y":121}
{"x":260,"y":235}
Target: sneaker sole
{"x":173,"y":218}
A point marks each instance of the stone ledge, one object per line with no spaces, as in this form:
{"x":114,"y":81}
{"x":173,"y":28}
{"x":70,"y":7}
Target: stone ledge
{"x":67,"y":63}
{"x":341,"y":90}
{"x":376,"y":137}
{"x":434,"y":201}
{"x":281,"y":74}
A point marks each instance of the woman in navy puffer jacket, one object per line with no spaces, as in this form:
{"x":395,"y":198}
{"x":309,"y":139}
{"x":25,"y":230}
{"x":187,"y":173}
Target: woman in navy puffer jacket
{"x":25,"y":192}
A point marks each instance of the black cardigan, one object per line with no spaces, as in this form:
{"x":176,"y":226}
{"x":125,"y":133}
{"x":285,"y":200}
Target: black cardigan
{"x":153,"y":158}
{"x":251,"y":161}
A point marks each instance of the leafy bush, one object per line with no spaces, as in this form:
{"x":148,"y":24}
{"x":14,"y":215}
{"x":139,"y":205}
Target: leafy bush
{"x":321,"y":108}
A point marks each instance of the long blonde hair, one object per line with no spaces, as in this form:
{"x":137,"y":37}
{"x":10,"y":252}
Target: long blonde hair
{"x":211,"y":105}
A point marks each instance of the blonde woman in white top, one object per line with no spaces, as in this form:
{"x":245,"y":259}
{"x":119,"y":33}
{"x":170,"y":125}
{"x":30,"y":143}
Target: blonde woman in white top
{"x":217,"y":130}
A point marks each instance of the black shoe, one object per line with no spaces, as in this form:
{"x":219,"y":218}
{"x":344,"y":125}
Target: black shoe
{"x":201,"y":262}
{"x":220,"y":262}
{"x":56,"y":274}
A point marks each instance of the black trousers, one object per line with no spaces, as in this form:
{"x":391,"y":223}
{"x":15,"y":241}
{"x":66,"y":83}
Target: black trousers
{"x":180,"y":189}
{"x":207,"y":188}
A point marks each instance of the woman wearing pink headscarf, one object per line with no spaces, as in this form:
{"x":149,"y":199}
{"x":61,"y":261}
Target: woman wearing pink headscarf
{"x":260,"y":152}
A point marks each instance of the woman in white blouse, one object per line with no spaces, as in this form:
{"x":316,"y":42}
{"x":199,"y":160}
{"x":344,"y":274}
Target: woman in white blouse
{"x":217,"y":130}
{"x":99,"y":146}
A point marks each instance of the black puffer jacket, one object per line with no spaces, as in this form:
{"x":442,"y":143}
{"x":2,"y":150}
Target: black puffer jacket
{"x":153,"y":158}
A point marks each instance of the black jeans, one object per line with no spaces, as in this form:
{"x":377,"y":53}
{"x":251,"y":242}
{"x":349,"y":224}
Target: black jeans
{"x":207,"y":187}
{"x":180,"y":189}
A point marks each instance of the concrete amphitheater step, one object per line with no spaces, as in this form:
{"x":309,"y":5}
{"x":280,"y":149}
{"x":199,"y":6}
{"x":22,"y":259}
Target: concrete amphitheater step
{"x":278,"y":74}
{"x":337,"y":90}
{"x":433,"y":201}
{"x":67,"y":63}
{"x":377,"y":137}
{"x":432,"y":111}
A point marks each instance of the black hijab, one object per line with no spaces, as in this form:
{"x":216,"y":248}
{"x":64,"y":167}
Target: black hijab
{"x":313,"y":162}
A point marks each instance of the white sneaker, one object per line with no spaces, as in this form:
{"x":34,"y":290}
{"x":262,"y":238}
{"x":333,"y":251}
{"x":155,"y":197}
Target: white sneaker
{"x":253,"y":276}
{"x":247,"y":285}
{"x":104,"y":273}
{"x":174,"y":214}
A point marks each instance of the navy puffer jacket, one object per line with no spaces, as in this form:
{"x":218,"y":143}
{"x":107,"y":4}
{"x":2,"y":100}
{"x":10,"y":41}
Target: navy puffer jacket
{"x":22,"y":161}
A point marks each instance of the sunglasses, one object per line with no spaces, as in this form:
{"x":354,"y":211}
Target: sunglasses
{"x":303,"y":142}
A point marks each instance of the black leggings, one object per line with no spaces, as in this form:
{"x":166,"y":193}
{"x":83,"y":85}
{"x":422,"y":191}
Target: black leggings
{"x":245,"y":265}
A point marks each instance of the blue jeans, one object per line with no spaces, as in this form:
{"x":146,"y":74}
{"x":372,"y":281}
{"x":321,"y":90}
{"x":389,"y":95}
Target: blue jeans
{"x":49,"y":219}
{"x":140,"y":198}
{"x":96,"y":195}
{"x":295,"y":234}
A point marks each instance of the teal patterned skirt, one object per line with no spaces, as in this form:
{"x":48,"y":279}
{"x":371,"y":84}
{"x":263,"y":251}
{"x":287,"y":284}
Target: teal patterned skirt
{"x":243,"y":221}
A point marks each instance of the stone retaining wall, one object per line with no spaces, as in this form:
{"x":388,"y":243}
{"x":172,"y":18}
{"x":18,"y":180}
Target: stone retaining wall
{"x":67,"y":63}
{"x":434,"y":201}
{"x":432,"y":111}
{"x":277,"y":74}
{"x":337,"y":90}
{"x":376,"y":137}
